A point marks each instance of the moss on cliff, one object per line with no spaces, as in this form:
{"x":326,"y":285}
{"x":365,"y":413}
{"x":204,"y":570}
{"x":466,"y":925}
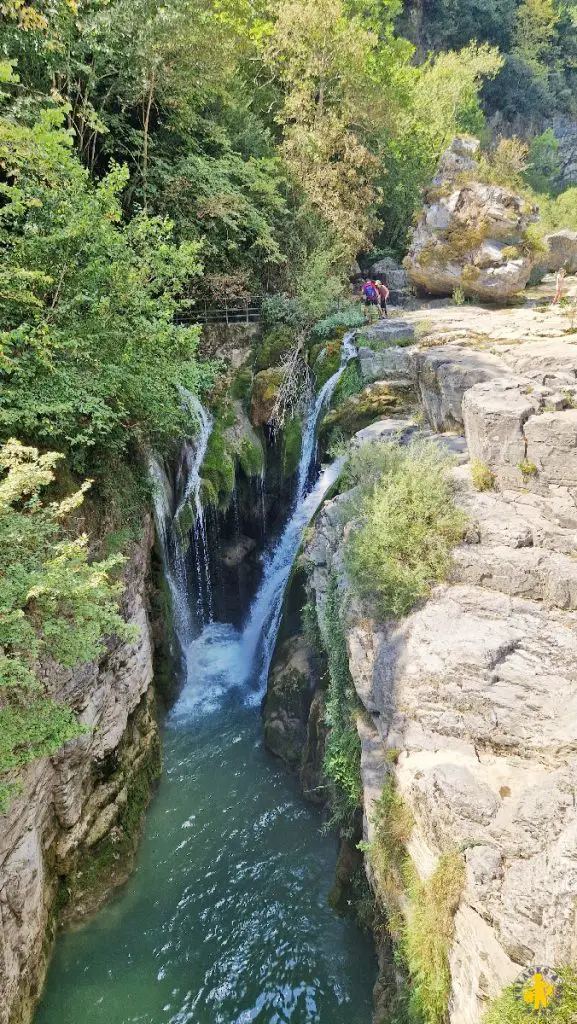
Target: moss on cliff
{"x":265,"y":388}
{"x":325,"y":360}
{"x":292,"y":438}
{"x":358,"y":411}
{"x":273,"y":346}
{"x":218,"y":470}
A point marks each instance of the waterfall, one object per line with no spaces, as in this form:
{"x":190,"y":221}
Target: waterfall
{"x":218,"y":658}
{"x":324,"y":396}
{"x":191,"y":461}
{"x":261,"y":630}
{"x":173,"y":551}
{"x":173,"y":558}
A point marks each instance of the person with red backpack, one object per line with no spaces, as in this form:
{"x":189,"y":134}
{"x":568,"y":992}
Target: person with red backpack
{"x":370,"y":294}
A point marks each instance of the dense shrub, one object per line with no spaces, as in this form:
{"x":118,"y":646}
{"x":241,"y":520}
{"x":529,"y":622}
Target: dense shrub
{"x":343,"y":320}
{"x":55,"y":606}
{"x":406,"y":526}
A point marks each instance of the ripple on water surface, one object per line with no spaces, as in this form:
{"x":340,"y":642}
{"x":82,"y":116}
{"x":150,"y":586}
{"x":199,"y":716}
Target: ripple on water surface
{"x":226,"y":919}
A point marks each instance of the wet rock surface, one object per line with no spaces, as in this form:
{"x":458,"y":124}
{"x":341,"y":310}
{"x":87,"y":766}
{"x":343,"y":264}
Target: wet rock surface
{"x":72,"y":806}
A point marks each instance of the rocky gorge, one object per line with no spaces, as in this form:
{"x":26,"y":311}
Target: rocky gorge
{"x":466,"y":704}
{"x":463,"y":813}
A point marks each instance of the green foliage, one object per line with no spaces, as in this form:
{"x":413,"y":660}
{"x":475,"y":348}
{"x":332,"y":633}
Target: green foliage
{"x":310,"y":624}
{"x":292,"y":438}
{"x":405,"y":528}
{"x":543,"y":170}
{"x":420,"y":915}
{"x":342,"y":762}
{"x":274,"y":345}
{"x":482,"y":476}
{"x":91,"y":356}
{"x":458,"y":296}
{"x":528,"y":469}
{"x":393,"y":824}
{"x":343,"y":320}
{"x":55,"y":605}
{"x":560,"y":212}
{"x":510,"y":1009}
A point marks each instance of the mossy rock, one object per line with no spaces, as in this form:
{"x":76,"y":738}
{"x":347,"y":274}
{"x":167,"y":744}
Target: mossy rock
{"x":287,"y":703}
{"x":184,"y":523}
{"x":265,"y":389}
{"x":274,"y":345}
{"x":241,"y":385}
{"x":326,"y":362}
{"x":218,"y":470}
{"x":292,"y":439}
{"x":251,"y":457}
{"x":358,"y":411}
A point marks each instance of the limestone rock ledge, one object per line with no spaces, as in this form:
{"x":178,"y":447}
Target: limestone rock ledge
{"x":472,"y":697}
{"x":80,"y":809}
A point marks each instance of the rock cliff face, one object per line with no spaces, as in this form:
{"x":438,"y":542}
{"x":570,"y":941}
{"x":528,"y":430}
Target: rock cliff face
{"x":68,"y":840}
{"x":471,"y":698}
{"x":470,"y":235}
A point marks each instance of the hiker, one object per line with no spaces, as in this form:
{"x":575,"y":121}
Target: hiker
{"x":370,"y":295}
{"x":559,"y":286}
{"x":383,"y":292}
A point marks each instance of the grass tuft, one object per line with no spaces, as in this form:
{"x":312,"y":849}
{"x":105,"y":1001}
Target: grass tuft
{"x":482,"y":476}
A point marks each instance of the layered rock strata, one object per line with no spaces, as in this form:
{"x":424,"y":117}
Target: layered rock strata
{"x":69,"y":838}
{"x":471,"y":698}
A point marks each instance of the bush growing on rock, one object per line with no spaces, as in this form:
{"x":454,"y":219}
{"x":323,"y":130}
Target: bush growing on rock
{"x":405,"y":528}
{"x":56,"y":607}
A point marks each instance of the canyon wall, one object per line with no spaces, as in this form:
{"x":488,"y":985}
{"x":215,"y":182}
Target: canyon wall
{"x":468,"y":703}
{"x":69,"y":837}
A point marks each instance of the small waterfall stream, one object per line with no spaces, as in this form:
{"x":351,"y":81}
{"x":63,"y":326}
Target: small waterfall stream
{"x":226,"y":919}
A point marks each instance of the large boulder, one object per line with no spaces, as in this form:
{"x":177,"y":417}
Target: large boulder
{"x":394,"y":276}
{"x":265,"y":389}
{"x":471,"y":235}
{"x":561,"y":251}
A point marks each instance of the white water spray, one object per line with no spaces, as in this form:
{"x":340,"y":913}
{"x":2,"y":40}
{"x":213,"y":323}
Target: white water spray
{"x":220,"y":658}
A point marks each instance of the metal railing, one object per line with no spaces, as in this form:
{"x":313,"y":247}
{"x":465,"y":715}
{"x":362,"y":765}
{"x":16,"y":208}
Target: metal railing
{"x":232,"y":311}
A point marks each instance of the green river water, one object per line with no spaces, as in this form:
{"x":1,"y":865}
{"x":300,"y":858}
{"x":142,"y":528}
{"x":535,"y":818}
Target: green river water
{"x":225,"y":920}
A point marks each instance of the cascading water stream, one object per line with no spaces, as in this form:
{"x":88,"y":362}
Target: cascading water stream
{"x":173,"y":558}
{"x":260,"y":633}
{"x":173,"y":550}
{"x":192,"y":459}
